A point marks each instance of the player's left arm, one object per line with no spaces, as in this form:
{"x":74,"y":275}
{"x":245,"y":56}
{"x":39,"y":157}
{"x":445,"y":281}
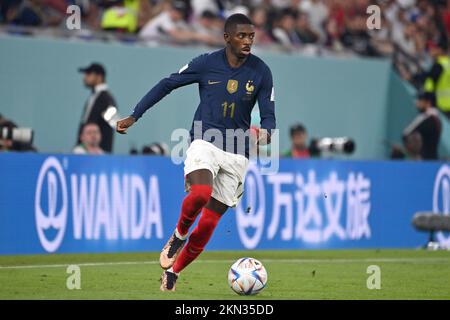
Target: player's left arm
{"x":266,"y":103}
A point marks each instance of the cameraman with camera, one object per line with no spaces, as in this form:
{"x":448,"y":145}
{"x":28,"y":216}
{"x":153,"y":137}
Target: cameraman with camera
{"x":318,"y":146}
{"x":13,"y":138}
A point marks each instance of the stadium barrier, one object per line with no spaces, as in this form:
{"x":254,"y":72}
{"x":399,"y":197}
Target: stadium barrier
{"x":69,"y":203}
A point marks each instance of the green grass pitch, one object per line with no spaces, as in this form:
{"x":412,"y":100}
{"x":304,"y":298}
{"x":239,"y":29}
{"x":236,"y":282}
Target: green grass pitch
{"x":337,"y":274}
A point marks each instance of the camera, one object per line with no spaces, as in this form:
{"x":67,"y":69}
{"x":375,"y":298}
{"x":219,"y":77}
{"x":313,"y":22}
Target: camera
{"x":154,"y":149}
{"x":22,"y":136}
{"x":342,"y":145}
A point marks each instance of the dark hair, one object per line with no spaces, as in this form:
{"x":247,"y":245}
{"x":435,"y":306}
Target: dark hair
{"x":297,"y":128}
{"x":426,"y":96}
{"x":88,"y":124}
{"x":235,"y":19}
{"x":288,"y":12}
{"x":5,"y":123}
{"x":208,"y":14}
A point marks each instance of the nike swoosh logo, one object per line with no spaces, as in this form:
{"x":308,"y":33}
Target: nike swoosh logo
{"x":213,"y":82}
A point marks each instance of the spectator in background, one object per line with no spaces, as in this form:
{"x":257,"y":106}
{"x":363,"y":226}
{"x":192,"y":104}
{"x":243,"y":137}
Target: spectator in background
{"x":166,"y":24}
{"x":200,"y":6}
{"x":210,"y":25}
{"x":317,"y":13}
{"x":405,"y":38}
{"x":299,"y":137}
{"x":437,"y":79}
{"x":97,"y":104}
{"x":284,"y":31}
{"x":143,"y":9}
{"x":171,"y":25}
{"x":90,"y":14}
{"x":34,"y":13}
{"x":304,"y":31}
{"x":335,"y":25}
{"x":356,"y":36}
{"x":445,"y":17}
{"x":89,"y":140}
{"x":381,"y":38}
{"x":259,"y":19}
{"x":120,"y":17}
{"x":427,"y":124}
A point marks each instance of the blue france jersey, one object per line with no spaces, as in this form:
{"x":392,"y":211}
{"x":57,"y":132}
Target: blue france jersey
{"x":227,"y":95}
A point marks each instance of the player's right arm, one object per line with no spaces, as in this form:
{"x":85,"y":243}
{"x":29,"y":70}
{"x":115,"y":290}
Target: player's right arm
{"x":266,"y":103}
{"x":188,"y":74}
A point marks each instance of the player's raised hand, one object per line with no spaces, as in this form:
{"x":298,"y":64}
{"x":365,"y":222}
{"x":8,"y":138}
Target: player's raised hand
{"x":123,"y":124}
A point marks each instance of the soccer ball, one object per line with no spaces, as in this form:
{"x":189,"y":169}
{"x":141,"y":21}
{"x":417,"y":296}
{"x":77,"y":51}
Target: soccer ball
{"x":247,"y":276}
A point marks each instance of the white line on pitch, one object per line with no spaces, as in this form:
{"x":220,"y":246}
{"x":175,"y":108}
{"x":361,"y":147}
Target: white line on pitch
{"x":99,"y":264}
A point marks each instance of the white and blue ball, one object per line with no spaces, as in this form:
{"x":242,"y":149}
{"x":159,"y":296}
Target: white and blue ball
{"x":247,"y":276}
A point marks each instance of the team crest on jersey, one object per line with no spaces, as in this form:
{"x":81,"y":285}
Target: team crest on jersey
{"x":232,"y":86}
{"x":249,"y":87}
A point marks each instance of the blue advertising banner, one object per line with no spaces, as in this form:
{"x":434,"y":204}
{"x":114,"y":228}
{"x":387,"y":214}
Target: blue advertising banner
{"x":70,"y":203}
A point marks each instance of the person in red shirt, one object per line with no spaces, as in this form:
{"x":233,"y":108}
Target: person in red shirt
{"x":299,"y":136}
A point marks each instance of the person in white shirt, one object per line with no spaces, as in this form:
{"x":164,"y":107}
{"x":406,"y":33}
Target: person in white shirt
{"x":317,"y":13}
{"x":200,"y":6}
{"x":170,"y":25}
{"x":90,"y":140}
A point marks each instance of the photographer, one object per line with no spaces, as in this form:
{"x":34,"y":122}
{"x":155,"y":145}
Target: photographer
{"x":153,"y":149}
{"x":318,"y":147}
{"x":13,"y":138}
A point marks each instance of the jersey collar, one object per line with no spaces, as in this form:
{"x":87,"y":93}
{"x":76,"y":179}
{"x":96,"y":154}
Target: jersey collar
{"x":225,"y":60}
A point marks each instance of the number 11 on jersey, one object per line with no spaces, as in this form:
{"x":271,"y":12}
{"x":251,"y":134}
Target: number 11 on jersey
{"x":225,"y":108}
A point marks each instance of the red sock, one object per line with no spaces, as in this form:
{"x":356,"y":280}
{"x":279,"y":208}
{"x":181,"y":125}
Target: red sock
{"x":197,"y":198}
{"x":198,"y":239}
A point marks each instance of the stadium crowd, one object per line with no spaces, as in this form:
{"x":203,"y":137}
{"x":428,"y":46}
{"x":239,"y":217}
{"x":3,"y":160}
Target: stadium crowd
{"x":406,"y":25}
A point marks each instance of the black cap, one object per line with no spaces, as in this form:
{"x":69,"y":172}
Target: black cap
{"x":427,"y":96}
{"x":94,"y":68}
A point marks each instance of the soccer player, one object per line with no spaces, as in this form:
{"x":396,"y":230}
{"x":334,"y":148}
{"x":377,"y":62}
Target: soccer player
{"x":230,"y":82}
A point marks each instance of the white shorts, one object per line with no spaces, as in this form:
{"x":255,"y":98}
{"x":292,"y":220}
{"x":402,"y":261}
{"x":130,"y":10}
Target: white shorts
{"x":228,"y":170}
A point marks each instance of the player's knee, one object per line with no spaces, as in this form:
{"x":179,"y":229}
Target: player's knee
{"x":200,"y":194}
